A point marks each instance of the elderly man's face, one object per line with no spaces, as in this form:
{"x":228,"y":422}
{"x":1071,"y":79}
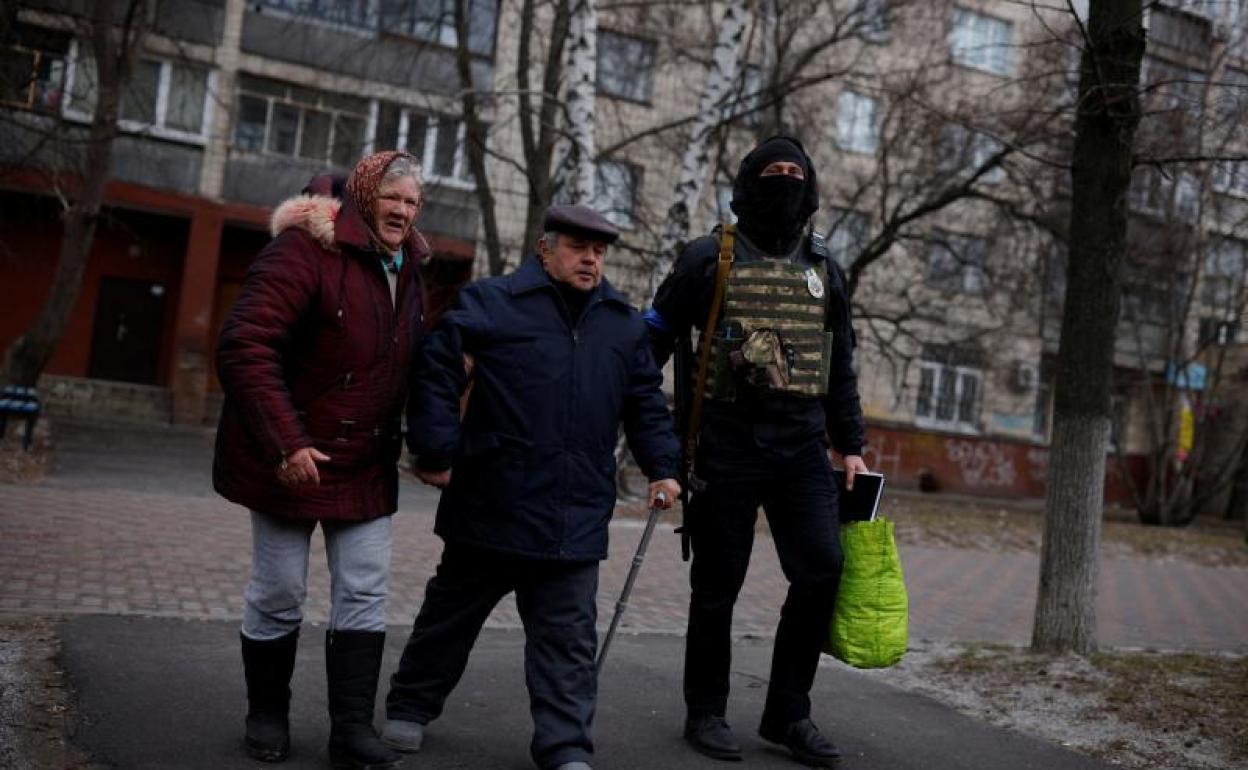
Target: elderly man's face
{"x":573,"y":259}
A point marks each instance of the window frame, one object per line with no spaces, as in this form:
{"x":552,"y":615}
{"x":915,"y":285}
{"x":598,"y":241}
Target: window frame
{"x":646,"y":74}
{"x":847,"y":223}
{"x":611,"y":212}
{"x":160,"y":107}
{"x":960,"y":373}
{"x":433,"y":122}
{"x":367,"y":28}
{"x":982,"y":56}
{"x":963,"y":149}
{"x":367,"y":117}
{"x":955,"y":247}
{"x":848,"y":141}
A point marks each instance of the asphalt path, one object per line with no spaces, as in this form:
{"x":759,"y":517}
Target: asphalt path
{"x":168,"y":693}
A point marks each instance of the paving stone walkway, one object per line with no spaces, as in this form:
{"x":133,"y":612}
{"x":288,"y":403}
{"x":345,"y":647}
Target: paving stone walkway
{"x":128,"y":525}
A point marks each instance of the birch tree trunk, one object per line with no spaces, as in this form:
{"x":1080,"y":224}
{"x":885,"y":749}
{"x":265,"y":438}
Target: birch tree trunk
{"x":695,"y":161}
{"x":576,"y":171}
{"x":1106,"y":120}
{"x":114,"y":52}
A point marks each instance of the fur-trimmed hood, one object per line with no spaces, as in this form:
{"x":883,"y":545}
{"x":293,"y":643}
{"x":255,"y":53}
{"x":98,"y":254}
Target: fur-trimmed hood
{"x":314,"y":214}
{"x":318,"y":216}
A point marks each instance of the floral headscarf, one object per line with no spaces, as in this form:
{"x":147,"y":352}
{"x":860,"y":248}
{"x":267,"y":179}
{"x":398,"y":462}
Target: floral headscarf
{"x":365,"y":182}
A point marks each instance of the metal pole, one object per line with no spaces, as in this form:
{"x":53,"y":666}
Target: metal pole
{"x":622,"y":604}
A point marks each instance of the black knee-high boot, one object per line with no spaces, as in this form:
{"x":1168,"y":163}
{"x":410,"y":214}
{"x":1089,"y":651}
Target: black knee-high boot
{"x":352,"y":664}
{"x":267,"y":666}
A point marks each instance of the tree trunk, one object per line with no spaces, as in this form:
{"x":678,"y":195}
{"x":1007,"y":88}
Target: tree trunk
{"x":475,"y":130}
{"x":695,"y":162}
{"x":114,"y":54}
{"x":576,"y":171}
{"x":1105,"y":124}
{"x":538,"y":141}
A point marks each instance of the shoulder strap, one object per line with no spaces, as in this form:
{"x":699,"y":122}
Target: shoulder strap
{"x":727,"y":241}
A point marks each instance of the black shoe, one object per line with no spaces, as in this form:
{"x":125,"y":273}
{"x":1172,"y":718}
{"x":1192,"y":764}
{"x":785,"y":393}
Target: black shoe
{"x":712,"y":736}
{"x":804,"y":740}
{"x":352,"y":663}
{"x":267,"y":666}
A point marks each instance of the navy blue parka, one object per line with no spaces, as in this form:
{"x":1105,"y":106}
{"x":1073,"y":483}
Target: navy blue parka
{"x":533,"y":461}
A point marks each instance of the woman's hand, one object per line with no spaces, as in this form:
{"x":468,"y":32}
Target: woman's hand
{"x":300,"y":467}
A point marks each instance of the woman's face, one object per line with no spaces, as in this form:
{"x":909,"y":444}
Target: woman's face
{"x":398,"y":202}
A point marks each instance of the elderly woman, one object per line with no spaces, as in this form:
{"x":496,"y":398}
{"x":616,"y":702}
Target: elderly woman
{"x":313,"y":359}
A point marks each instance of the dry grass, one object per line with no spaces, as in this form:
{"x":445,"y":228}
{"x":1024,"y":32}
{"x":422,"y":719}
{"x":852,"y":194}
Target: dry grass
{"x":1195,"y":714}
{"x":18,"y":466}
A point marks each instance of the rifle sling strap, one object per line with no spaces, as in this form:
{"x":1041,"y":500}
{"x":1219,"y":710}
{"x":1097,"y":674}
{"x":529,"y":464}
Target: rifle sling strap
{"x":726,"y":243}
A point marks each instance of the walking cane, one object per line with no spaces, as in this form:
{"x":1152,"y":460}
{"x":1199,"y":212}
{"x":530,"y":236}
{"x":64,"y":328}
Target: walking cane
{"x":640,"y":556}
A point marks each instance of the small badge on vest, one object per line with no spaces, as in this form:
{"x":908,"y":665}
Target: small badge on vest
{"x":813,"y":284}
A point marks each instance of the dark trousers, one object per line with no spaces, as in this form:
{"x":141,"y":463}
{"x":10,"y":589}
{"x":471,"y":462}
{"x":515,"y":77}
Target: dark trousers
{"x":557,"y":606}
{"x":795,"y":488}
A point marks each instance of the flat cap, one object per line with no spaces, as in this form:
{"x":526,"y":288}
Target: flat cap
{"x":582,"y":221}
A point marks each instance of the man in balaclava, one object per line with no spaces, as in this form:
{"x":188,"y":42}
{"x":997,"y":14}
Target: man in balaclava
{"x":778,"y":391}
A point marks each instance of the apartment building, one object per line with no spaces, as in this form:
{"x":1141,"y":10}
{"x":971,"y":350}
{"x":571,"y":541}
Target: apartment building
{"x":232,"y":107}
{"x":236,"y":104}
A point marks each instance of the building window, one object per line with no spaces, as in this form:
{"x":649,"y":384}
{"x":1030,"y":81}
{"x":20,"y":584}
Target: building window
{"x":1230,"y":96}
{"x":871,"y":19}
{"x":857,"y":124}
{"x":723,"y":203}
{"x":33,"y":69}
{"x":948,"y":396}
{"x":955,"y":263}
{"x":1163,"y":195}
{"x":279,"y":119}
{"x":1226,"y":264}
{"x":981,"y":42}
{"x":161,"y":97}
{"x":434,"y":21}
{"x":965,"y":151}
{"x":438,"y":141}
{"x":358,"y":14}
{"x":615,"y":191}
{"x":847,"y":235}
{"x":1231,"y":176}
{"x":625,"y":66}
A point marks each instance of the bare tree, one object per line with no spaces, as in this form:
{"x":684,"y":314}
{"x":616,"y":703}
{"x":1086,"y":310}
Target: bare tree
{"x":1107,"y":115}
{"x":115,"y":31}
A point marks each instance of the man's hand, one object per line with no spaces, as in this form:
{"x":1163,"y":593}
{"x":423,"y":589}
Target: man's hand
{"x":853,"y":466}
{"x":437,"y":479}
{"x":300,"y":467}
{"x":669,"y":490}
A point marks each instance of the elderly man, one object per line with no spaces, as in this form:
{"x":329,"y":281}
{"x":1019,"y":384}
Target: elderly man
{"x":560,"y":360}
{"x":779,"y":386}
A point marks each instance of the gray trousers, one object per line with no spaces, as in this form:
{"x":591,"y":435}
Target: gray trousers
{"x":359,"y":569}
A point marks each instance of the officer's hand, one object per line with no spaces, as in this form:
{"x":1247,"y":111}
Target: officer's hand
{"x":437,"y":479}
{"x":853,"y":465}
{"x":300,"y":467}
{"x":663,"y":493}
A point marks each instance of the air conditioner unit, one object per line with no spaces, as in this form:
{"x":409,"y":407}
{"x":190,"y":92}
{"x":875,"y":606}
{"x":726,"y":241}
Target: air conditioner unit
{"x":1024,"y":376}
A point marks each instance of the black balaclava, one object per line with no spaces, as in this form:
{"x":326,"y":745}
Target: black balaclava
{"x":772,"y":211}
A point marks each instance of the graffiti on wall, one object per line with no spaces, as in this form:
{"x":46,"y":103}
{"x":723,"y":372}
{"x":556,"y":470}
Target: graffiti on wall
{"x":883,"y":455}
{"x":982,"y":464}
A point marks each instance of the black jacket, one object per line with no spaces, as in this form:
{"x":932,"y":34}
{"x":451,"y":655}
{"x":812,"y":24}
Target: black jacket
{"x":533,"y":463}
{"x":682,"y":303}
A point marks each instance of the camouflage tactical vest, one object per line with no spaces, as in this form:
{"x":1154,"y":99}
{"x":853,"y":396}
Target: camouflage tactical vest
{"x":783,"y":297}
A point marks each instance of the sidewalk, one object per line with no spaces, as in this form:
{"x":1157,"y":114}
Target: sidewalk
{"x":162,"y":693}
{"x":128,"y":524}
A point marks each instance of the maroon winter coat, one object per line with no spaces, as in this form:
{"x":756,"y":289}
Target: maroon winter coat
{"x":314,"y":353}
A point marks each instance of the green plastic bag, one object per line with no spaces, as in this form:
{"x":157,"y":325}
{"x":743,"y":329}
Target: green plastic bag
{"x":869,"y":625}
